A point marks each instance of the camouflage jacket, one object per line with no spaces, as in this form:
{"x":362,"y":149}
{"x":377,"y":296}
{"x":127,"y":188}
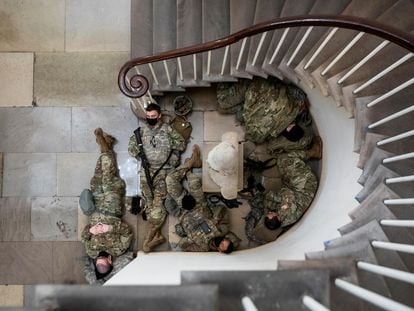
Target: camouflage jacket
{"x":268,"y":109}
{"x":158,"y":142}
{"x":118,"y":263}
{"x":115,"y":242}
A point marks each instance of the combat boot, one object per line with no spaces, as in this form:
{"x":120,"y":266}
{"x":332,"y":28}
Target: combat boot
{"x":195,"y":159}
{"x":148,"y":239}
{"x":102,"y":142}
{"x":315,"y":152}
{"x":158,"y":240}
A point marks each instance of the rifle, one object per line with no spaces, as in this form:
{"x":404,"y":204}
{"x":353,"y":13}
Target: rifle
{"x":144,"y":161}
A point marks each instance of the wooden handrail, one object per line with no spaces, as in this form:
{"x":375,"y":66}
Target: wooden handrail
{"x":392,"y":34}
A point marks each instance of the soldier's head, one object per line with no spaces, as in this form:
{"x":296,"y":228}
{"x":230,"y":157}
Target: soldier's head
{"x":293,"y":132}
{"x":153,"y":114}
{"x":272,"y":221}
{"x":188,"y":202}
{"x":223,"y":245}
{"x":103,"y":265}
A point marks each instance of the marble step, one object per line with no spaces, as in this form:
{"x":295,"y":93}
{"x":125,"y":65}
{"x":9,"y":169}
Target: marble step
{"x":371,"y":165}
{"x":361,"y":121}
{"x":268,"y":289}
{"x":189,"y":32}
{"x":343,"y":268}
{"x":265,"y":10}
{"x":66,"y":297}
{"x":377,"y":177}
{"x":370,"y":143}
{"x":241,"y":16}
{"x":271,"y":60}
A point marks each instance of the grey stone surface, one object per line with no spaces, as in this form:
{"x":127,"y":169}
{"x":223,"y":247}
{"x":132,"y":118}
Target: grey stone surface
{"x":377,"y":177}
{"x":98,"y":25}
{"x":32,"y":25}
{"x":15,"y":219}
{"x":128,"y":171}
{"x":16,"y":78}
{"x":39,"y":129}
{"x":54,"y":219}
{"x":74,"y":172}
{"x":119,"y":122}
{"x":216,"y":124}
{"x":197,"y":122}
{"x":78,"y":79}
{"x":1,"y":174}
{"x":29,"y":175}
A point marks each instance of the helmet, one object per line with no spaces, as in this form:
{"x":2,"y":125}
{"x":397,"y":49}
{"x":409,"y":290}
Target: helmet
{"x":182,"y":105}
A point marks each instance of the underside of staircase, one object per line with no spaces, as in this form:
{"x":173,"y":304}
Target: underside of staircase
{"x":386,"y":148}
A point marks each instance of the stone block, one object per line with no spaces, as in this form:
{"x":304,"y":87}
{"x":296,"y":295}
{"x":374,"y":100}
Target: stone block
{"x":29,"y":175}
{"x":68,"y":263}
{"x":11,"y":296}
{"x":119,"y":122}
{"x":54,"y":219}
{"x":197,"y":119}
{"x":45,"y":129}
{"x":15,"y":219}
{"x":74,"y":172}
{"x":29,"y":25}
{"x":78,"y":79}
{"x":1,"y":174}
{"x":128,"y":171}
{"x":216,"y":124}
{"x":98,"y":25}
{"x":16,"y":79}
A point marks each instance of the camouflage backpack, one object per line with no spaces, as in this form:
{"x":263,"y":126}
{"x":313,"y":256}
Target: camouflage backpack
{"x":268,"y":109}
{"x":230,"y":96}
{"x":182,"y":126}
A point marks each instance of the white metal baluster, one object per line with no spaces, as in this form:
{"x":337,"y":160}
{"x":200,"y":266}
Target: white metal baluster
{"x":400,"y":157}
{"x":180,"y":68}
{"x":226,"y":53}
{"x":371,"y":297}
{"x":321,"y":47}
{"x":388,"y":272}
{"x":279,"y":45}
{"x":397,"y":223}
{"x":312,"y":304}
{"x":302,"y":41}
{"x":342,"y":53}
{"x":153,"y":74}
{"x":383,"y":73}
{"x":208,"y":62}
{"x":391,"y":117}
{"x":392,"y":92}
{"x":363,"y":61}
{"x":395,"y":138}
{"x":406,"y":201}
{"x":195,"y":66}
{"x":262,"y":38}
{"x":239,"y":58}
{"x":399,"y":179}
{"x":405,"y":248}
{"x":248,"y":304}
{"x":167,"y":72}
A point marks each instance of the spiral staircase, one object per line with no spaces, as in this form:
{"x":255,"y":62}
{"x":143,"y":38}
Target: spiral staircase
{"x":359,"y":54}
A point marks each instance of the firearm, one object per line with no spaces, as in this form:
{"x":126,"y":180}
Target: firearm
{"x":144,"y":161}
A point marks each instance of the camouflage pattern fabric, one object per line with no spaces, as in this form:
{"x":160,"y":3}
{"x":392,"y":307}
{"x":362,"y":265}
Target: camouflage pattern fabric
{"x":158,"y":143}
{"x":267,"y":109}
{"x":119,"y":263}
{"x":230,"y":96}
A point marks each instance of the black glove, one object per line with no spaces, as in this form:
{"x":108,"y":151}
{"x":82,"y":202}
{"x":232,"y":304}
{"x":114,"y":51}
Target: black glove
{"x":232,"y":203}
{"x":136,"y":205}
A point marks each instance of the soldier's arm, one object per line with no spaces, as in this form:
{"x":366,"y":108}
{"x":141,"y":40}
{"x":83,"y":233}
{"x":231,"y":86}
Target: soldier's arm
{"x":249,"y":229}
{"x":123,"y":238}
{"x":133,"y":149}
{"x":188,"y":245}
{"x":177,"y":141}
{"x":86,"y":235}
{"x":233,"y":238}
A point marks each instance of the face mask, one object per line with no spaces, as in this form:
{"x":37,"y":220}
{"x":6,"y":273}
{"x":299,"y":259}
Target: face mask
{"x":152,"y":122}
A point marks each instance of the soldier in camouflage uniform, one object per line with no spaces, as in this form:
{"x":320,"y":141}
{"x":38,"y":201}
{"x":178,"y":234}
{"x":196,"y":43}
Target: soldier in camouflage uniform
{"x":285,"y":207}
{"x":106,"y":236}
{"x":159,"y":141}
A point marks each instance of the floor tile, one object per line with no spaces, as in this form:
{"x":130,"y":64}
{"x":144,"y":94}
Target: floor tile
{"x":1,"y":174}
{"x":78,"y":79}
{"x":98,"y":25}
{"x":68,"y":263}
{"x":237,"y":223}
{"x":216,"y":124}
{"x":44,"y":130}
{"x":11,"y":296}
{"x":29,"y":175}
{"x":29,"y":25}
{"x":197,"y":122}
{"x":74,"y":172}
{"x":128,"y":171}
{"x":16,"y":79}
{"x":54,"y":219}
{"x":132,"y":221}
{"x":119,"y":122}
{"x":82,"y":222}
{"x":26,"y":262}
{"x":15,"y":219}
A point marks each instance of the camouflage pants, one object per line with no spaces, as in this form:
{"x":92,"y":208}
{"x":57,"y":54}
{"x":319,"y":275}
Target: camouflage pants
{"x":281,"y":144}
{"x":107,"y":188}
{"x":154,"y":204}
{"x":299,"y":187}
{"x":176,"y":189}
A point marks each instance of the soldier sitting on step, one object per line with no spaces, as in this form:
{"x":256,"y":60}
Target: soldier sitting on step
{"x":273,"y":212}
{"x":200,"y":228}
{"x":106,"y":237}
